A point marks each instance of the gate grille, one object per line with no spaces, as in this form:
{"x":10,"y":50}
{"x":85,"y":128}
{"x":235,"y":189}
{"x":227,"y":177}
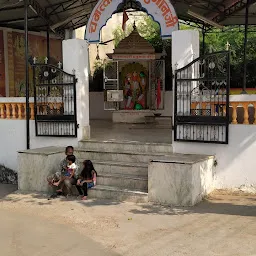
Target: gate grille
{"x":201,"y":111}
{"x":111,"y":80}
{"x":54,"y":101}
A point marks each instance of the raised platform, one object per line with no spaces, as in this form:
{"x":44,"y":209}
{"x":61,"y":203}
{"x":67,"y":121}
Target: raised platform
{"x":122,"y":169}
{"x":183,"y":180}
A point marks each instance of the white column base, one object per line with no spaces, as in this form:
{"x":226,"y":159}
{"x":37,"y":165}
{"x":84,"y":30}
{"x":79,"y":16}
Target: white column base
{"x":84,"y":133}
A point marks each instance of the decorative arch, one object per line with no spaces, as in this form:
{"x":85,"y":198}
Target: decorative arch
{"x":162,"y":11}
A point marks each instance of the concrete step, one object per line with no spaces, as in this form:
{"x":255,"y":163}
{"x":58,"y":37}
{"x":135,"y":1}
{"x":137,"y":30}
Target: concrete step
{"x":124,"y":181}
{"x":117,"y":194}
{"x":128,"y":146}
{"x":110,"y":167}
{"x":123,"y":156}
{"x":167,"y":120}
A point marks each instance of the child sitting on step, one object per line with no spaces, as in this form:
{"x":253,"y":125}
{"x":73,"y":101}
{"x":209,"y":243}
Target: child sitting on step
{"x":87,"y":179}
{"x":69,"y":173}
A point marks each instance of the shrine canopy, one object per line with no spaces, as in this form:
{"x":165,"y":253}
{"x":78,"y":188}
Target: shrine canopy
{"x":59,"y":15}
{"x":134,"y":47}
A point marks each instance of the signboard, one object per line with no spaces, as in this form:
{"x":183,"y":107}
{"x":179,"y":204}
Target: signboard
{"x":161,"y":11}
{"x":133,"y":57}
{"x":115,"y":95}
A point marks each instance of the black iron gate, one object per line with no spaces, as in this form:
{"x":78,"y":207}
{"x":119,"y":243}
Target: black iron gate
{"x":201,"y":111}
{"x":54,"y":101}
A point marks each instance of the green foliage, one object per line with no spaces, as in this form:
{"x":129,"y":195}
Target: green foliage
{"x":98,"y":64}
{"x":150,"y":30}
{"x":147,"y":28}
{"x":217,"y":40}
{"x":119,"y":34}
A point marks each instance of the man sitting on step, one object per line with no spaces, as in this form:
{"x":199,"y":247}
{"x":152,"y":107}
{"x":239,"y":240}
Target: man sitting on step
{"x":52,"y":179}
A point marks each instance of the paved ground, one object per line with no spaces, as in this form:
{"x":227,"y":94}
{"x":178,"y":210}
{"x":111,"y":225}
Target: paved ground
{"x":23,"y":235}
{"x":30,"y":234}
{"x":223,"y":225}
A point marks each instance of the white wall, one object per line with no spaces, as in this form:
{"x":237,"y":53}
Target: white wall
{"x":97,"y":106}
{"x":185,"y":47}
{"x":13,"y":139}
{"x":236,"y":161}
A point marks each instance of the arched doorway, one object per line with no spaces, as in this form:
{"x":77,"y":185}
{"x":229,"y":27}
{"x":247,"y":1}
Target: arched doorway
{"x":130,"y":97}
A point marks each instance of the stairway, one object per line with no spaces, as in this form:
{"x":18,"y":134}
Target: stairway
{"x":122,"y":167}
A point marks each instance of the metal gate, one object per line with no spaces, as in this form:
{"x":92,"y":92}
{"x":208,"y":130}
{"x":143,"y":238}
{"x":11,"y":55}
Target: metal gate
{"x":112,"y":94}
{"x":54,"y":101}
{"x":201,"y":111}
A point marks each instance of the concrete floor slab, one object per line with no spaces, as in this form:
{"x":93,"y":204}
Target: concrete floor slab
{"x":23,"y":235}
{"x":106,"y":130}
{"x":222,"y":225}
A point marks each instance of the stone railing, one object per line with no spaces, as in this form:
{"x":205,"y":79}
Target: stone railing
{"x":242,"y":109}
{"x":15,"y":108}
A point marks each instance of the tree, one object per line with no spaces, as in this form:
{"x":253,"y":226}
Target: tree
{"x":148,"y":29}
{"x":217,"y":40}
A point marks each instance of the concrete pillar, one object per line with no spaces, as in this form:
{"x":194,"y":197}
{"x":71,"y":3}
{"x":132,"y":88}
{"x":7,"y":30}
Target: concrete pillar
{"x":185,"y":48}
{"x":75,"y":57}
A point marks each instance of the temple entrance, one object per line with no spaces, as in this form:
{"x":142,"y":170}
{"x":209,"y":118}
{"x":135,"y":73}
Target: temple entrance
{"x":134,"y":94}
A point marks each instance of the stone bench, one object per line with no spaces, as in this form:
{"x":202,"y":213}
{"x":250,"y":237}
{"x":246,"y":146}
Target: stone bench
{"x":181,"y":181}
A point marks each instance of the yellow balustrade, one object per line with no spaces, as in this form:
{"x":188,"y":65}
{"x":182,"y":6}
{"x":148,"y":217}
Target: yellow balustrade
{"x":2,"y":109}
{"x":234,"y":112}
{"x":13,"y":110}
{"x":246,"y":116}
{"x":20,"y":110}
{"x":32,"y":111}
{"x":8,"y":110}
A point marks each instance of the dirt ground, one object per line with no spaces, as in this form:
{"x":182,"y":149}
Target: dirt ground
{"x":223,"y":224}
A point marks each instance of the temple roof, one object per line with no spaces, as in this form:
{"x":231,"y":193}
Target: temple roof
{"x":134,"y":44}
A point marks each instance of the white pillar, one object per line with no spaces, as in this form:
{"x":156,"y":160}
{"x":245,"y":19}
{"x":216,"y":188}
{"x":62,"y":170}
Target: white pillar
{"x":75,"y":57}
{"x":185,"y":48}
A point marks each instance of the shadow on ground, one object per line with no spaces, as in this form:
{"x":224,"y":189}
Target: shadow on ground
{"x":239,"y":205}
{"x":6,"y":189}
{"x":205,"y":207}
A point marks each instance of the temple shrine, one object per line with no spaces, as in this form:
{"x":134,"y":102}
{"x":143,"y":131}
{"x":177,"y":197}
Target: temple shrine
{"x":134,"y":80}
